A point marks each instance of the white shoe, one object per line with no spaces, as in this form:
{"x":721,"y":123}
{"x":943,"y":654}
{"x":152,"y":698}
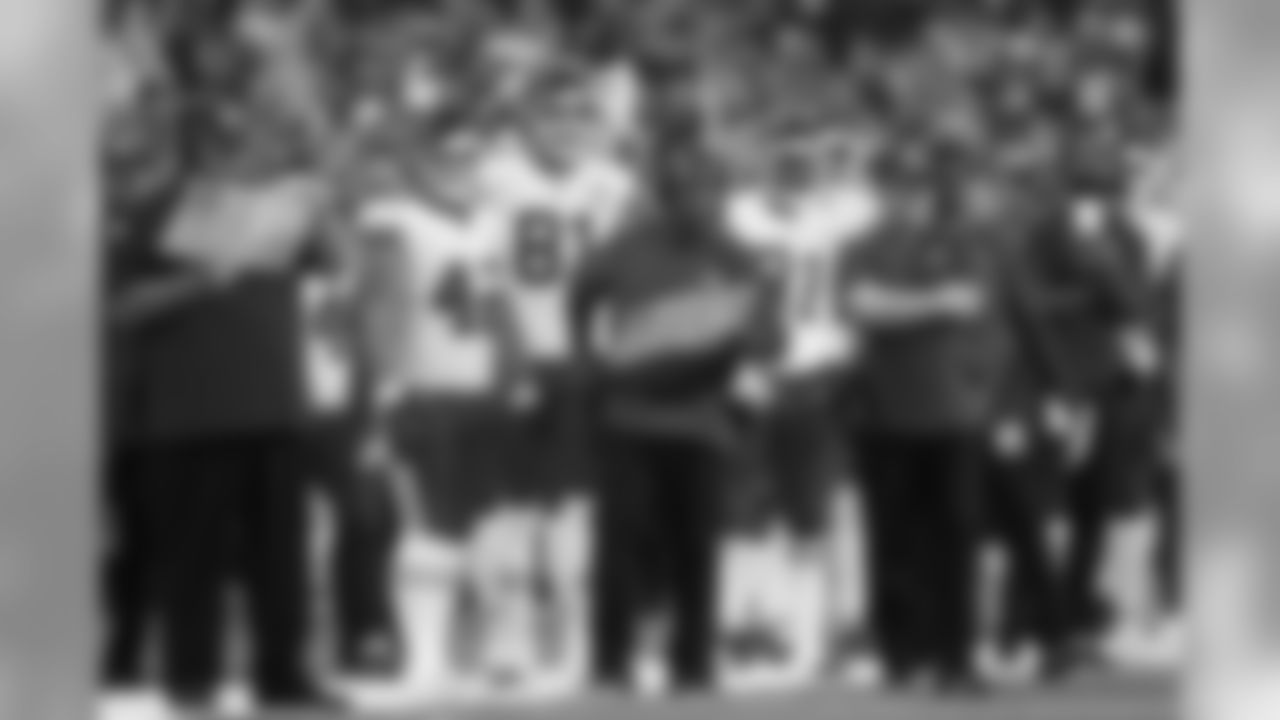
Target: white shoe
{"x":1170,"y":644}
{"x":751,"y":680}
{"x":864,"y":673}
{"x":139,"y":705}
{"x":796,"y":675}
{"x":1124,"y":647}
{"x":561,"y":683}
{"x":1016,"y":669}
{"x":652,"y":678}
{"x":388,"y":696}
{"x":1146,"y":649}
{"x":235,"y":701}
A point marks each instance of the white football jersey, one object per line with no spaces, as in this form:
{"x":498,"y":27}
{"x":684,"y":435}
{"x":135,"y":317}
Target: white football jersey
{"x":552,"y":220}
{"x":803,"y":241}
{"x":451,"y":261}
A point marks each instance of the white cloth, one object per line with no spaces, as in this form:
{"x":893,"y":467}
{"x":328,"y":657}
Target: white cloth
{"x":229,"y":229}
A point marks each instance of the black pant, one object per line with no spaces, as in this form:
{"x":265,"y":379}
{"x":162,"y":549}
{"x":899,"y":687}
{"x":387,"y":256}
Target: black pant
{"x":235,"y":512}
{"x":1019,"y":498}
{"x":923,"y":494}
{"x":1117,"y":479}
{"x":1168,"y":560}
{"x":365,"y":532}
{"x":131,"y":567}
{"x":656,"y":532}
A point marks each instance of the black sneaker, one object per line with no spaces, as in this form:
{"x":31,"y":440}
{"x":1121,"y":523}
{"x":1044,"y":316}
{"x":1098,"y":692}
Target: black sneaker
{"x":301,"y":698}
{"x":848,"y":646}
{"x":377,"y":657}
{"x":194,"y":701}
{"x":1060,"y":663}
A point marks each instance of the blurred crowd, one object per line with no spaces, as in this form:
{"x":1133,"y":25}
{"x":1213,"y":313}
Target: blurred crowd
{"x":1035,"y":89}
{"x":1016,"y":110}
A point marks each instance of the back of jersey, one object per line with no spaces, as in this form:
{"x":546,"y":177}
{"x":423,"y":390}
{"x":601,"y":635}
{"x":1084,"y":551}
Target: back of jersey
{"x":449,"y":347}
{"x":802,"y":242}
{"x":553,"y":220}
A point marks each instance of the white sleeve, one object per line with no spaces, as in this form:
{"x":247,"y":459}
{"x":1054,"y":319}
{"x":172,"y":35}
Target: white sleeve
{"x":745,"y":219}
{"x":505,"y":179}
{"x":608,"y":205}
{"x":857,"y":212}
{"x":382,"y":216}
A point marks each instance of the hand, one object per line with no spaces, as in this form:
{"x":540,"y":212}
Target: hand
{"x":1088,"y":218}
{"x":1072,"y":425}
{"x":1061,"y":419}
{"x":962,"y":300}
{"x":1140,"y":352}
{"x":1012,"y":440}
{"x":754,"y":387}
{"x":524,"y":396}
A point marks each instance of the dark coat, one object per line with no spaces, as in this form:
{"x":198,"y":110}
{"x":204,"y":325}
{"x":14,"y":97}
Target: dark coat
{"x":937,"y":375}
{"x":227,"y":363}
{"x":663,"y":253}
{"x":1086,"y":292}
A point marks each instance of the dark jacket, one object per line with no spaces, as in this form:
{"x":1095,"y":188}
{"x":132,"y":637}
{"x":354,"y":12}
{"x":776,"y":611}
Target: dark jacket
{"x":663,"y":253}
{"x":227,"y":363}
{"x":132,"y":258}
{"x":1086,"y":292}
{"x":939,"y":374}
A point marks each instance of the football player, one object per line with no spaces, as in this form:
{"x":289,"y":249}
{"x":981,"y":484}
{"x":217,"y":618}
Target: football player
{"x":559,"y":197}
{"x":441,"y":366}
{"x":799,"y":223}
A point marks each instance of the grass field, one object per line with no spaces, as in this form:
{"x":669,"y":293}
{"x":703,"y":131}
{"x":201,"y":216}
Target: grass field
{"x":1093,"y":698}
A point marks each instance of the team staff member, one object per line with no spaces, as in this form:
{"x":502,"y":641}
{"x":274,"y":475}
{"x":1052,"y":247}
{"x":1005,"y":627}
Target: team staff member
{"x":1024,"y":480}
{"x":664,"y":415}
{"x":798,"y":224}
{"x":138,"y":283}
{"x":925,"y":293}
{"x":342,"y":369}
{"x":228,"y":398}
{"x":1085,"y":262}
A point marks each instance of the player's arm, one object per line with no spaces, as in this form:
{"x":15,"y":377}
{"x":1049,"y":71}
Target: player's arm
{"x":874,"y":295}
{"x":878,"y":303}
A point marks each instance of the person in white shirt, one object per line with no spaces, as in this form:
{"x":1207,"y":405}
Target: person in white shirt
{"x":441,"y":366}
{"x":559,"y":201}
{"x":800,"y":220}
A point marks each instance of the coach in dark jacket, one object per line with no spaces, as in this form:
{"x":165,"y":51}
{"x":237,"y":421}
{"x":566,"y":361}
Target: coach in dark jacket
{"x":132,"y":216}
{"x":665,"y":424}
{"x":926,"y":292}
{"x":225,"y":394}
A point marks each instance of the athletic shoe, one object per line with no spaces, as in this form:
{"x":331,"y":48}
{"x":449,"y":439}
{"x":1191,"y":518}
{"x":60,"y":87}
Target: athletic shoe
{"x":134,"y":705}
{"x":865,"y":673}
